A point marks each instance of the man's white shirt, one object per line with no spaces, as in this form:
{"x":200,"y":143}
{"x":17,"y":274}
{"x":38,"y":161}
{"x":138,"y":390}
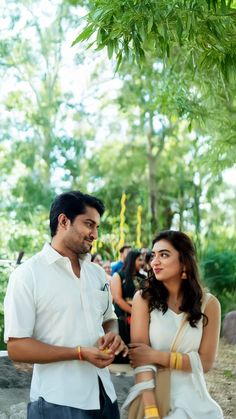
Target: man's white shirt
{"x":45,"y":300}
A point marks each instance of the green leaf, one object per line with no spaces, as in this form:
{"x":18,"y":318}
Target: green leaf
{"x":119,"y":59}
{"x":179,"y":30}
{"x":150,"y":24}
{"x":85,"y":34}
{"x":110,"y":49}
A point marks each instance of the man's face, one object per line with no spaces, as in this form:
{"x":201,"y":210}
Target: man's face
{"x":125,"y":252}
{"x":81,"y":233}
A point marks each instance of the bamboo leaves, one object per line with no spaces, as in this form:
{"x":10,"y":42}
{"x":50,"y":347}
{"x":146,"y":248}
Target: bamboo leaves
{"x":135,"y":29}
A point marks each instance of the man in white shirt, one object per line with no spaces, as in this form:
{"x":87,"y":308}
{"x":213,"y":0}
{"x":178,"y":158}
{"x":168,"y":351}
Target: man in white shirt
{"x":59,"y":316}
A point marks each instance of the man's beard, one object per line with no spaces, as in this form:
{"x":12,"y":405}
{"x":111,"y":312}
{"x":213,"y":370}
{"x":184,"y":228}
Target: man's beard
{"x":82,"y":249}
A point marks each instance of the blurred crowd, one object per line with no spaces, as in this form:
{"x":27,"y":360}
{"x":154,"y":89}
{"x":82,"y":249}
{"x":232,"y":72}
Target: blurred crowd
{"x":126,"y":276}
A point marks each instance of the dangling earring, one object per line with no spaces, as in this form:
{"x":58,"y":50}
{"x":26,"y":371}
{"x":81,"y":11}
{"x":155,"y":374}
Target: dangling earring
{"x":184,"y":275}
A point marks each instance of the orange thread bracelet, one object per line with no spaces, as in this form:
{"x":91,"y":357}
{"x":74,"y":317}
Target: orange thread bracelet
{"x":79,"y":353}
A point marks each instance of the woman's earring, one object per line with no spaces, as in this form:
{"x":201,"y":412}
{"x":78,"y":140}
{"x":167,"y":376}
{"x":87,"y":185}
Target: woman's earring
{"x":184,"y":275}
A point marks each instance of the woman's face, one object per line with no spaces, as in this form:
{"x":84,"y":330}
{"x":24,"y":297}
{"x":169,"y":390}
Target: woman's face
{"x":139,"y":262}
{"x":98,"y":259}
{"x":165,"y":262}
{"x":107,"y":267}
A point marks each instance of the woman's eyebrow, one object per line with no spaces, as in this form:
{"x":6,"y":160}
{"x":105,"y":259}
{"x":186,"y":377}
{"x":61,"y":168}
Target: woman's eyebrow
{"x":164,"y":250}
{"x":161,"y":250}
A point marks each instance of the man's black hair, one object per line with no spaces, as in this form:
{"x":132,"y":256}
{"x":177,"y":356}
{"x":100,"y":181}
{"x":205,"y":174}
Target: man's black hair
{"x":71,"y":204}
{"x":126,"y":246}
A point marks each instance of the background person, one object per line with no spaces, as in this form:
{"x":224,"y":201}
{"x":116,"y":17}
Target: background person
{"x":174,"y":291}
{"x":117,"y":266}
{"x":97,"y":258}
{"x":124,"y":284}
{"x":59,"y":316}
{"x":107,"y":268}
{"x":147,"y":261}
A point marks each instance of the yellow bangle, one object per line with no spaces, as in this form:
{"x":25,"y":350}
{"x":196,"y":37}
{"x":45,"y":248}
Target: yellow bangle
{"x":176,"y":360}
{"x":179,"y":361}
{"x":173,"y":360}
{"x":151,"y":412}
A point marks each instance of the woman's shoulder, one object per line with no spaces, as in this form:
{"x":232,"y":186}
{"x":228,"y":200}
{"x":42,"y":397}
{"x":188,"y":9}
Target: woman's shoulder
{"x":121,"y":274}
{"x":138,"y":298}
{"x":139,"y":304}
{"x":118,"y":275}
{"x":209,"y":299}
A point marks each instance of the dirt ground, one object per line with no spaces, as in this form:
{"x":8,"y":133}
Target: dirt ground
{"x":221,"y":380}
{"x":15,"y":382}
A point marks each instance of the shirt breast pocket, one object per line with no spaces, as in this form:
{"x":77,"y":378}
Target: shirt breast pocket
{"x":100,"y":301}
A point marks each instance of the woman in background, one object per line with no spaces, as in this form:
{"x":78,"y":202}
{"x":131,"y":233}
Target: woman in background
{"x":124,"y":284}
{"x":107,"y":268}
{"x":96,"y":258}
{"x":147,"y":261}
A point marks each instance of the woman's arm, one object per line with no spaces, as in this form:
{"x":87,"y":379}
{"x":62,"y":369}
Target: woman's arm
{"x":116,"y":290}
{"x":211,"y":332}
{"x":140,"y":334}
{"x":142,"y":354}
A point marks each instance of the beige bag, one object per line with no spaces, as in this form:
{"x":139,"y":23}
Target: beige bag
{"x":162,"y":385}
{"x":162,"y":395}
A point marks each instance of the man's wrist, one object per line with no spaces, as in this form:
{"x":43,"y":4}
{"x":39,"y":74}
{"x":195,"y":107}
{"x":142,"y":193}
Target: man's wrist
{"x":79,"y":353}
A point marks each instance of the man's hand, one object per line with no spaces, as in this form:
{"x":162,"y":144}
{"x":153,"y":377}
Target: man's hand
{"x":97,"y":357}
{"x":113,"y":344}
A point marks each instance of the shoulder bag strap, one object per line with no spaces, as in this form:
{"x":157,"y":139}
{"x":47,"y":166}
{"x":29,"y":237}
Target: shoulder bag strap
{"x":179,"y":334}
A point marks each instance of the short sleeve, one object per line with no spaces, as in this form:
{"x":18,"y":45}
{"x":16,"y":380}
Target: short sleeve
{"x":19,"y":305}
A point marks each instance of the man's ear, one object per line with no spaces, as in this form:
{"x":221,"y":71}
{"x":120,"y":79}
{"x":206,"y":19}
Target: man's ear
{"x":63,"y":221}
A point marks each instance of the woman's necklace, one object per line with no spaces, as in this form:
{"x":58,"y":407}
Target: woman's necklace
{"x":174,"y":305}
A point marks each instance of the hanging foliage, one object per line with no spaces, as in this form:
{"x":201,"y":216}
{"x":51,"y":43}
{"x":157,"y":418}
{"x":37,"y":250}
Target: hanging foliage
{"x":134,"y":29}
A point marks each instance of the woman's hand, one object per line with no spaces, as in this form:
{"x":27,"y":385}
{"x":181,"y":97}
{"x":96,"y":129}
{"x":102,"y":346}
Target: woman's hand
{"x":141,"y":354}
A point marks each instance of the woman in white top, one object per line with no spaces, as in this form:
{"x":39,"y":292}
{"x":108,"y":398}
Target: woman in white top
{"x":174,"y":291}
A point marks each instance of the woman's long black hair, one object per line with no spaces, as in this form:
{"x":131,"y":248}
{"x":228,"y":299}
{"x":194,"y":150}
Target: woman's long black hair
{"x":157,"y":294}
{"x":129,"y":271}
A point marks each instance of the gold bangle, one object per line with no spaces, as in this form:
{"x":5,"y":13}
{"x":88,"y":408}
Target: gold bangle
{"x":173,"y":360}
{"x":151,"y":412}
{"x":179,"y":361}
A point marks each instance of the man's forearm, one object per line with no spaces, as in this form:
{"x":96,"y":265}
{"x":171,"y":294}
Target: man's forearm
{"x":33,"y":351}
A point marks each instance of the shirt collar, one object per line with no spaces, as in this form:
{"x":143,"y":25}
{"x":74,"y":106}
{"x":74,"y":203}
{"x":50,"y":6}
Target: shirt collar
{"x":53,"y":256}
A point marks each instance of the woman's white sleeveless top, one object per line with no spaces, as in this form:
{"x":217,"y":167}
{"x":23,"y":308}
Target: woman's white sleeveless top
{"x":189,"y":395}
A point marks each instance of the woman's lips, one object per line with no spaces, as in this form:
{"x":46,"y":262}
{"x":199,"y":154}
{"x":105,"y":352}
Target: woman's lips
{"x":157,"y":270}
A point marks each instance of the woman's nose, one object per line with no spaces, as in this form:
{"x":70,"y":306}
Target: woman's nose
{"x":155,"y":261}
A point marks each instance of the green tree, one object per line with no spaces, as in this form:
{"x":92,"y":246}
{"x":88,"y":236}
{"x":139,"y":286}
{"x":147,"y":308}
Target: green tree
{"x":193,"y":41}
{"x":203,"y":30}
{"x":39,"y":153}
